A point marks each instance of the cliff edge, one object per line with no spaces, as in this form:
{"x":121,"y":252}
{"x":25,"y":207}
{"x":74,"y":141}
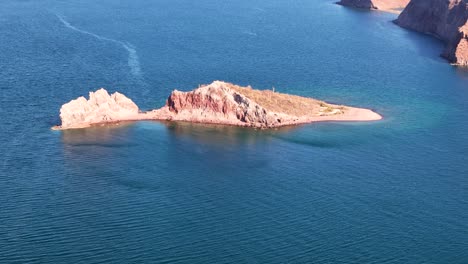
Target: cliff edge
{"x":444,"y":19}
{"x":216,"y":103}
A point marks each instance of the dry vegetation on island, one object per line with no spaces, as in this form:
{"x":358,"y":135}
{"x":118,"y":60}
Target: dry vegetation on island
{"x":286,"y":103}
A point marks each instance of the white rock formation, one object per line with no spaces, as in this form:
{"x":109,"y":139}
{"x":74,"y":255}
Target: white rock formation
{"x":100,"y":108}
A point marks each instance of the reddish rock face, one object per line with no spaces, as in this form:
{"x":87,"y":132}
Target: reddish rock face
{"x":214,"y":100}
{"x":217,"y":102}
{"x":444,"y":19}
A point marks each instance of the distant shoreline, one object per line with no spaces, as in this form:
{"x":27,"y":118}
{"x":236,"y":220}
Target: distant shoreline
{"x":395,"y":7}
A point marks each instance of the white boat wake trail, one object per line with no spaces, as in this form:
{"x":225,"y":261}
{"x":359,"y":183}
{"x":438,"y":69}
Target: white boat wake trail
{"x":133,"y":61}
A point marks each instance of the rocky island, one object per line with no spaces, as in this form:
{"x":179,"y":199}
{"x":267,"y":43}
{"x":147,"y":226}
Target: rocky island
{"x":216,"y":103}
{"x":444,"y":19}
{"x":394,"y":6}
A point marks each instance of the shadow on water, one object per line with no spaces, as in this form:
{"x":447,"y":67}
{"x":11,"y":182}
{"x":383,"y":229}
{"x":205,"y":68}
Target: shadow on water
{"x":426,"y":45}
{"x":106,"y":136}
{"x":185,"y":138}
{"x":98,"y":155}
{"x":222,"y":134}
{"x":95,"y":150}
{"x":462,"y":72}
{"x":123,"y":135}
{"x":328,"y":135}
{"x":320,"y":135}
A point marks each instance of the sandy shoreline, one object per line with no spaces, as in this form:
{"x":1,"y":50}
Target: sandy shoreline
{"x":393,"y":11}
{"x":394,"y":7}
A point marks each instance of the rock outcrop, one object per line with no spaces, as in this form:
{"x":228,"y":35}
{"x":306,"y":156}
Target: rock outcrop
{"x":101,"y":107}
{"x":394,"y":6}
{"x":220,"y":101}
{"x":216,"y":103}
{"x":444,"y":19}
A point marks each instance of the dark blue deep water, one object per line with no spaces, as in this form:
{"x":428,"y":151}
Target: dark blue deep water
{"x":393,"y":191}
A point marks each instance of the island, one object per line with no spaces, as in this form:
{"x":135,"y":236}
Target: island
{"x":393,"y":6}
{"x":217,"y":103}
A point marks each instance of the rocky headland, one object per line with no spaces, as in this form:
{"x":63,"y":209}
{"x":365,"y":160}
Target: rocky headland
{"x":216,"y":103}
{"x":444,"y":19}
{"x":394,"y":6}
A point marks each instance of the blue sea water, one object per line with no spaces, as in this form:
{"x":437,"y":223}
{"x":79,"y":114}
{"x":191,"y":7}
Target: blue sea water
{"x":393,"y":191}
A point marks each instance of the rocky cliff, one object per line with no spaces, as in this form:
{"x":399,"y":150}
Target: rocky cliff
{"x":216,"y":103}
{"x":384,"y":5}
{"x":224,"y":102}
{"x":444,"y":19}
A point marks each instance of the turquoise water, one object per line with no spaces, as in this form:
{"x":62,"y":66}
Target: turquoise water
{"x":393,"y":191}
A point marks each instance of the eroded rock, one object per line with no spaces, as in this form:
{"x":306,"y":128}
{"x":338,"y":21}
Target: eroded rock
{"x":218,"y":102}
{"x":99,"y":108}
